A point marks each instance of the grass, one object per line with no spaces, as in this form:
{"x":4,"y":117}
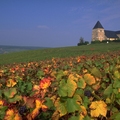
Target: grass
{"x":49,"y":53}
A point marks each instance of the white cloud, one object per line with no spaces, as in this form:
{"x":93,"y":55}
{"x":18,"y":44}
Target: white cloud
{"x":43,"y":26}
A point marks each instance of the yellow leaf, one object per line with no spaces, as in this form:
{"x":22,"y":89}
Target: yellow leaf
{"x":11,"y":83}
{"x":1,"y":102}
{"x":12,"y":115}
{"x":96,"y":86}
{"x":84,"y":111}
{"x":55,"y":115}
{"x":89,"y":79}
{"x":98,"y":108}
{"x":73,"y":77}
{"x":38,"y":103}
{"x":36,"y":89}
{"x":60,"y":106}
{"x":81,"y":117}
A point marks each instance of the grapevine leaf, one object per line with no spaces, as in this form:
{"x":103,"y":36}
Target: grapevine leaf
{"x":71,"y":87}
{"x":108,"y":91}
{"x":98,"y":108}
{"x":86,"y":101}
{"x":117,"y":74}
{"x":62,"y":91}
{"x":56,"y":115}
{"x":12,"y":115}
{"x":11,"y":83}
{"x":81,"y":83}
{"x":40,"y":74}
{"x":72,"y":105}
{"x":45,"y":83}
{"x":89,"y":79}
{"x":15,"y":99}
{"x":95,"y":71}
{"x":116,"y":84}
{"x":116,"y":116}
{"x":10,"y":93}
{"x":61,"y":107}
{"x":34,"y":113}
{"x":49,"y":102}
{"x":74,"y":118}
{"x":30,"y":102}
{"x":2,"y":111}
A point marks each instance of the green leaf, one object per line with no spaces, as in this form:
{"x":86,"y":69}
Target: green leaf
{"x":60,"y":75}
{"x":28,"y":86}
{"x":72,"y":105}
{"x":81,"y":83}
{"x":40,"y":74}
{"x":86,"y":101}
{"x":71,"y":87}
{"x":2,"y":112}
{"x":80,"y":92}
{"x":116,"y":84}
{"x":10,"y":93}
{"x":49,"y":102}
{"x":115,"y":116}
{"x":87,"y":118}
{"x":95,"y":71}
{"x":74,"y":118}
{"x":108,"y":91}
{"x":62,"y":91}
{"x":15,"y":99}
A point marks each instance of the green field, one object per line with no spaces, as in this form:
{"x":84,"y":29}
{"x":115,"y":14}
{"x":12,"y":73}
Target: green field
{"x":49,"y":53}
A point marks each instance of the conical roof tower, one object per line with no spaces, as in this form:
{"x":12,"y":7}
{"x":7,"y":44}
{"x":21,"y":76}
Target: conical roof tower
{"x":98,"y":32}
{"x":98,"y":25}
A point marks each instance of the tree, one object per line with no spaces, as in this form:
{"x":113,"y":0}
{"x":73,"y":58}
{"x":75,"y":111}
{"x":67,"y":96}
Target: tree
{"x":81,"y":40}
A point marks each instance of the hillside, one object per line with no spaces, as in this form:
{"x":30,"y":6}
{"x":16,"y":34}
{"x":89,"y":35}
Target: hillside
{"x":49,"y":53}
{"x":8,"y":49}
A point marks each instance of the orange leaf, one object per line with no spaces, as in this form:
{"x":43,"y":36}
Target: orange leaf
{"x":34,"y":113}
{"x":30,"y":102}
{"x":45,"y":83}
{"x":1,"y":102}
{"x":98,"y":108}
{"x":44,"y":108}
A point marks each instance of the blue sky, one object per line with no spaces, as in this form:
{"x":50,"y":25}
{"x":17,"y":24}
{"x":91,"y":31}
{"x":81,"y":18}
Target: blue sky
{"x":54,"y":23}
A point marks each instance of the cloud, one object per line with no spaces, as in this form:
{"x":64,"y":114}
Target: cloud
{"x":43,"y":26}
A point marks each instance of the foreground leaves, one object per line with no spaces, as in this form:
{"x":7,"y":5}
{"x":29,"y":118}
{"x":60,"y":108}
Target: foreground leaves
{"x":98,"y":108}
{"x":80,"y":88}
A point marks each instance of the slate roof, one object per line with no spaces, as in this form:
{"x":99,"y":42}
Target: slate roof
{"x":98,"y":25}
{"x":111,"y":34}
{"x":117,"y":32}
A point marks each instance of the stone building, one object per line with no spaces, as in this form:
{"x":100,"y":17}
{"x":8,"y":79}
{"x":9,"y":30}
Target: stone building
{"x":98,"y":33}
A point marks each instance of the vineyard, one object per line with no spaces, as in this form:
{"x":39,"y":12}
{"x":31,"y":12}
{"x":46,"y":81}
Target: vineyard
{"x":71,"y":88}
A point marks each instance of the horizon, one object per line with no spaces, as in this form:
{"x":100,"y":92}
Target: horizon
{"x":53,"y":23}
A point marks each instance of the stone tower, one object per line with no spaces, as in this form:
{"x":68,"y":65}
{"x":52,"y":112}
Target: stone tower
{"x":98,"y":32}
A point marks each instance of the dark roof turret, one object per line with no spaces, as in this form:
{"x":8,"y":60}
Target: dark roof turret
{"x":98,"y":25}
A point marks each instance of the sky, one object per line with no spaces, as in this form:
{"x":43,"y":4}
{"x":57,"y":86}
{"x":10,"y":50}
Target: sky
{"x":54,"y":23}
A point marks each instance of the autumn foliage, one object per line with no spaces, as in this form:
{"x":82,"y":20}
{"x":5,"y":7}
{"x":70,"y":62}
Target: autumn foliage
{"x":79,"y":88}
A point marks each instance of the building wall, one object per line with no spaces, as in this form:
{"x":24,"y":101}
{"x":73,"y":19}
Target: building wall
{"x":98,"y":34}
{"x":118,"y":35}
{"x":111,"y":39}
